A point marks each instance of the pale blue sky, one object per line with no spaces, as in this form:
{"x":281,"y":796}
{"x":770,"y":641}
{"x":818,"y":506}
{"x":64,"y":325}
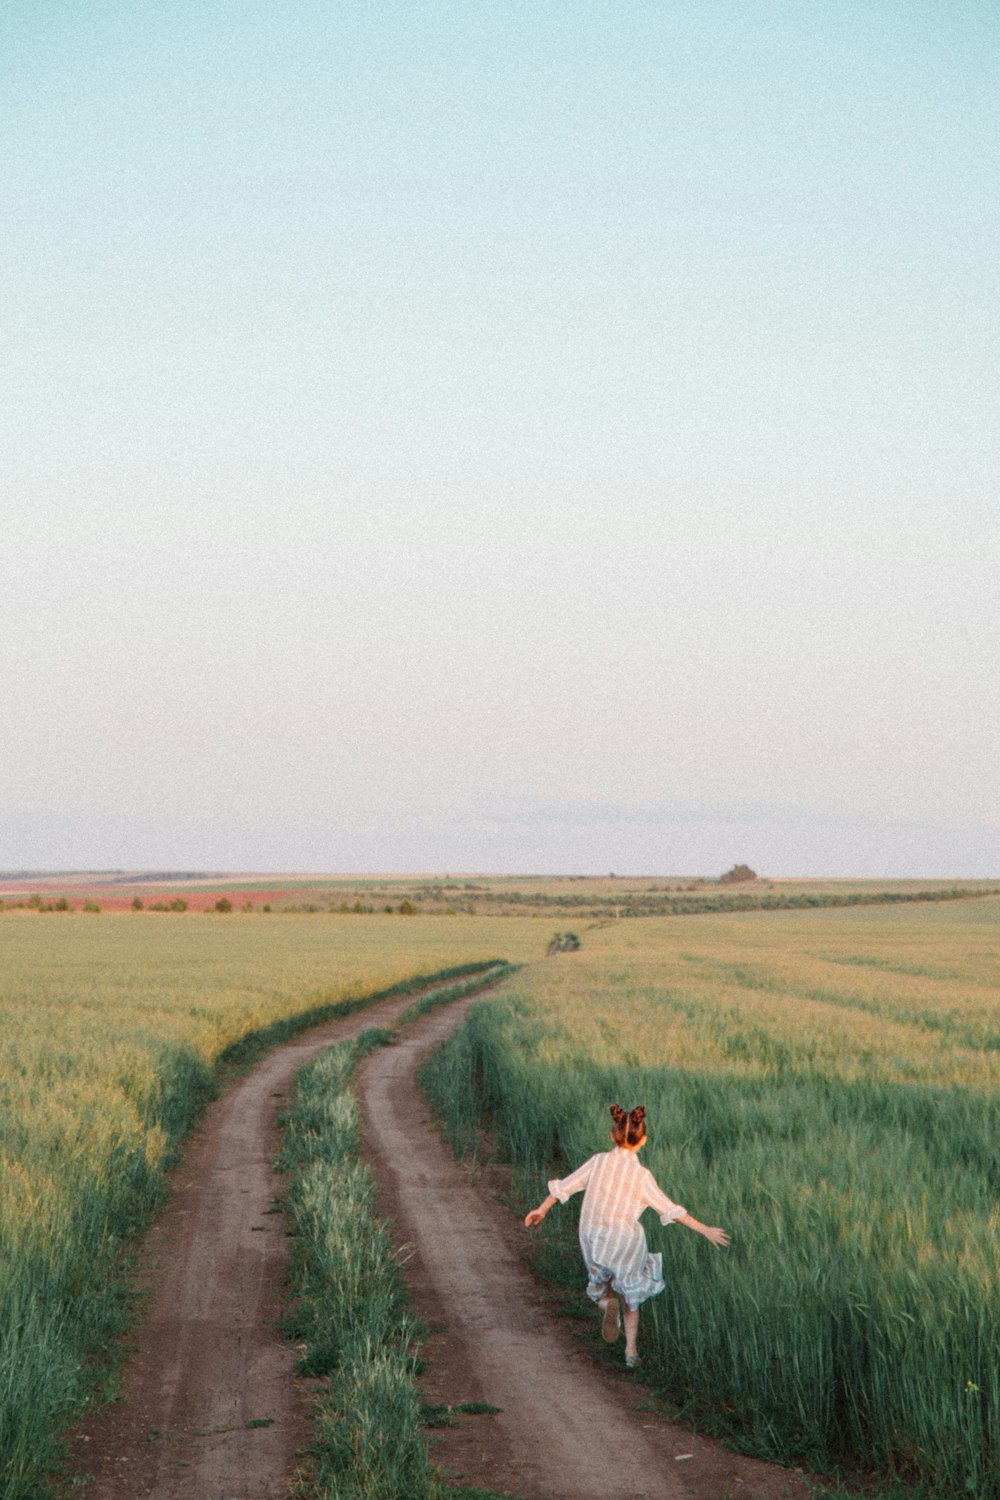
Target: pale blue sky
{"x":517,"y":437}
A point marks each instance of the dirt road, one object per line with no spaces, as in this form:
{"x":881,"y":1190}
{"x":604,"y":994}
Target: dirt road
{"x":211,"y":1409}
{"x":210,"y":1406}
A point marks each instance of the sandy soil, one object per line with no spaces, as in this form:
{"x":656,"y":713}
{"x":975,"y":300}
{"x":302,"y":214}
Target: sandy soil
{"x":210,"y":1406}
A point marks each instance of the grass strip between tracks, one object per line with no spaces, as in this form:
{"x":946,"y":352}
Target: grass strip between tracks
{"x":349,"y":1311}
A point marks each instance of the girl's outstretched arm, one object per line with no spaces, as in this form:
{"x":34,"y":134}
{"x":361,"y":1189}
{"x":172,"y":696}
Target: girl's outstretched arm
{"x":560,"y":1190}
{"x":717,"y":1236}
{"x":538,"y":1214}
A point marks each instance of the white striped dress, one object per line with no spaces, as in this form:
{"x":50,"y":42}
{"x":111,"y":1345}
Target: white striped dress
{"x":618,"y":1189}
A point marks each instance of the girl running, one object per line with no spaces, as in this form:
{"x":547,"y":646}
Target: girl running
{"x":618,"y":1260}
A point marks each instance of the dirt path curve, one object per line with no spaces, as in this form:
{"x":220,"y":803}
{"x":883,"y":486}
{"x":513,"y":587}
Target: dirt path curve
{"x":569,"y":1429}
{"x":210,"y":1363}
{"x":210,"y":1406}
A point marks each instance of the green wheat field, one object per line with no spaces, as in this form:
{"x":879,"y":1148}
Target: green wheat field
{"x":825,"y":1086}
{"x":821,"y":1082}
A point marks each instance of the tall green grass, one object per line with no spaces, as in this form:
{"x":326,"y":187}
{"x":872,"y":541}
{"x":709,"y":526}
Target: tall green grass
{"x":856,"y":1318}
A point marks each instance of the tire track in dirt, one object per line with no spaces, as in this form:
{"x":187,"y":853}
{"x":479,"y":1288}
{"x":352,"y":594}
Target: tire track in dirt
{"x":210,"y":1407}
{"x":568,"y":1429}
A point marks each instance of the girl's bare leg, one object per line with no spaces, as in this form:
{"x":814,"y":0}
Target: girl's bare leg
{"x":631,"y":1330}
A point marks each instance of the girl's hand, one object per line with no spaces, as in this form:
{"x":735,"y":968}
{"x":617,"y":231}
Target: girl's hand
{"x":538,"y":1214}
{"x":717,"y":1236}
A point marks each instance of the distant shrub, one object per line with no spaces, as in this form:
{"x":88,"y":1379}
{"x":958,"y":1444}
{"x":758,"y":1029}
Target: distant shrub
{"x":137,"y":903}
{"x":223,"y":904}
{"x":266,"y":906}
{"x":737,"y":874}
{"x":94,"y":906}
{"x":407,"y":909}
{"x":247,"y":906}
{"x":178,"y":904}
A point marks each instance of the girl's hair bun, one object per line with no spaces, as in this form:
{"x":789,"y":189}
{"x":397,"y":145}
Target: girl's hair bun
{"x":630,"y":1125}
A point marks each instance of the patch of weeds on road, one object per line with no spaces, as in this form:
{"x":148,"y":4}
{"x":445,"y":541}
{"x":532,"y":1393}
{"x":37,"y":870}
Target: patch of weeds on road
{"x":437,"y":1416}
{"x":447,"y":1416}
{"x":348,"y":1311}
{"x":473,"y":1492}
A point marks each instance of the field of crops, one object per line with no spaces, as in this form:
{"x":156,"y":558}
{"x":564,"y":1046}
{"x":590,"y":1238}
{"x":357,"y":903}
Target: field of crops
{"x":111,"y":1034}
{"x":563,"y":897}
{"x":825,"y":1086}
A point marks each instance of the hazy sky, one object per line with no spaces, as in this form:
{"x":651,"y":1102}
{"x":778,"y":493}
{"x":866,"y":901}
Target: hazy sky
{"x":544,"y":436}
